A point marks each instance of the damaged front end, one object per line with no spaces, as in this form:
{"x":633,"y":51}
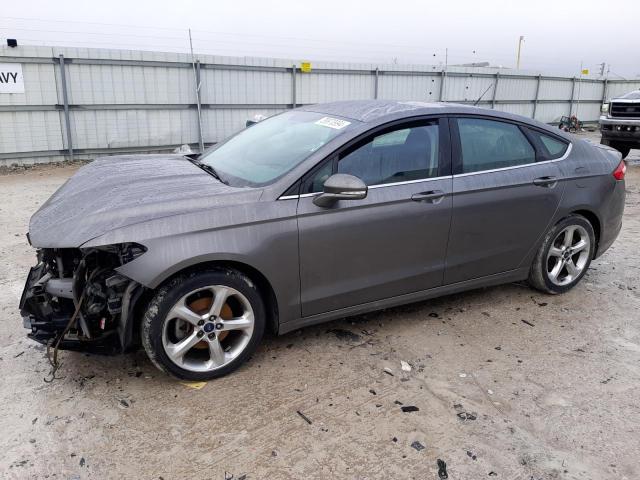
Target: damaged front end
{"x":66,"y":279}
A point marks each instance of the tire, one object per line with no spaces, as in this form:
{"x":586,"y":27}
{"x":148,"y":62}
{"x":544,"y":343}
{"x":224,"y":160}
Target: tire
{"x":548,"y":272}
{"x":184,"y":337}
{"x":624,"y":151}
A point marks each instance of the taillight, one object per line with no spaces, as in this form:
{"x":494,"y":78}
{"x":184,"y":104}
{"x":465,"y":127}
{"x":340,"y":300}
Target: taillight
{"x":620,"y":170}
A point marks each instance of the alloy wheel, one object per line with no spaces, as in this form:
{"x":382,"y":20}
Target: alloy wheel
{"x":207,"y":328}
{"x":568,"y":255}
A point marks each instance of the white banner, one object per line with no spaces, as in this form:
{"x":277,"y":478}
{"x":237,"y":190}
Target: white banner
{"x":11,"y":79}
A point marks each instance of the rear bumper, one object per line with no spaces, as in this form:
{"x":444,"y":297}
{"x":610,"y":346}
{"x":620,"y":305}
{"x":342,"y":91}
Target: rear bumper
{"x":612,"y":223}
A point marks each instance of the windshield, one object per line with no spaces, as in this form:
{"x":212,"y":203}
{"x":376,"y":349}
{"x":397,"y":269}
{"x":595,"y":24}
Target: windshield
{"x":269,"y":149}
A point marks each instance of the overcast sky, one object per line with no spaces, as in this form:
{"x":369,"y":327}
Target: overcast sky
{"x":559,"y":35}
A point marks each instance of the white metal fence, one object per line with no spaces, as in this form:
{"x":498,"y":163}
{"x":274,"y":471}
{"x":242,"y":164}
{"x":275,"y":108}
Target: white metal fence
{"x":87,"y":102}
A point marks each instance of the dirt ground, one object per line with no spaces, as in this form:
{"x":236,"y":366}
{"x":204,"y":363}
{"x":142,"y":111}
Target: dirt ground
{"x":509,"y":383}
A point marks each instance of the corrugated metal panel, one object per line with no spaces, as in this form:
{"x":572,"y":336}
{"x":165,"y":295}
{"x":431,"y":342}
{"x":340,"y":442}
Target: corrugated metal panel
{"x":588,"y":91}
{"x":555,"y":89}
{"x":407,"y":87}
{"x":468,"y":88}
{"x":39,"y":87}
{"x":30,"y":131}
{"x":221,"y":123}
{"x":116,"y":84}
{"x":169,"y":84}
{"x":551,"y":112}
{"x":615,"y":89}
{"x":524,"y":109}
{"x":133,"y":128}
{"x":244,"y":87}
{"x":324,"y":87}
{"x":517,"y":89}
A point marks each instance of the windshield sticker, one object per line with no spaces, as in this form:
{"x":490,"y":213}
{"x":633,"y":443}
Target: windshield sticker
{"x":335,"y":123}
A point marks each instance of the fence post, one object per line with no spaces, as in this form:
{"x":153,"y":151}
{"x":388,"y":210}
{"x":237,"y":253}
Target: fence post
{"x":443,"y":77}
{"x":199,"y":104}
{"x":573,"y":91}
{"x":65,"y":99}
{"x":293,"y":86}
{"x":375,"y":90}
{"x":535,"y":100}
{"x":604,"y":90}
{"x":495,"y":90}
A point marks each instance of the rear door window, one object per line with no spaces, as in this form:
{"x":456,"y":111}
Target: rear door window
{"x":488,"y":145}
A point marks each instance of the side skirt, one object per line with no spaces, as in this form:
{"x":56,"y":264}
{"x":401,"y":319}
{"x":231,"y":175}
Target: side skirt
{"x":487,"y":281}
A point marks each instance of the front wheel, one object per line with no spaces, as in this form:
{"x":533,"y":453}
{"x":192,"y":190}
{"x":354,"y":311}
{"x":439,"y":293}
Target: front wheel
{"x":203,"y":325}
{"x":564,"y":256}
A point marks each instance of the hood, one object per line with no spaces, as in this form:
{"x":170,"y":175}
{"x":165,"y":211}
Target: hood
{"x":113,"y":192}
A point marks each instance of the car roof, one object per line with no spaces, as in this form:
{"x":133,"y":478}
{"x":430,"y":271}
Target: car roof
{"x":380,"y":111}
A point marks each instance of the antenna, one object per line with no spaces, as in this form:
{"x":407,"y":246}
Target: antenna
{"x":480,"y":97}
{"x":197,"y":83}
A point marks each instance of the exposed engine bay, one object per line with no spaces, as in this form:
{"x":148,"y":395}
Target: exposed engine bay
{"x":76,"y":298}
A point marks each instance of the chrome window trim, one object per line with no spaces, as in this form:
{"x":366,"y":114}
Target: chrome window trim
{"x":408,"y":182}
{"x":479,"y":172}
{"x":378,"y":185}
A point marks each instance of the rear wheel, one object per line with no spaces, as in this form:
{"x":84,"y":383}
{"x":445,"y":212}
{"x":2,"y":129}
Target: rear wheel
{"x":203,"y":325}
{"x":564,"y":256}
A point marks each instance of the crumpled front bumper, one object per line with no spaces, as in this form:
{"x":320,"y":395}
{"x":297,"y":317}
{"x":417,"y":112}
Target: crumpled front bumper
{"x":45,"y":324}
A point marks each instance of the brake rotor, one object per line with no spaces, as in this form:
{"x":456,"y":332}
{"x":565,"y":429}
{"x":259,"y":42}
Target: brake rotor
{"x":202,"y":306}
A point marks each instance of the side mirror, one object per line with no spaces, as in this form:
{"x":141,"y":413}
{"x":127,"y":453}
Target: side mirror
{"x":341,"y":186}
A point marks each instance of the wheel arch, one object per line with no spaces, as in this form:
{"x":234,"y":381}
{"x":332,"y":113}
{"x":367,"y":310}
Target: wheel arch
{"x":264,"y":287}
{"x":593,"y":219}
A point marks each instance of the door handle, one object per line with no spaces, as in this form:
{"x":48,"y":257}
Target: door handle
{"x":432,"y":196}
{"x":548,"y":182}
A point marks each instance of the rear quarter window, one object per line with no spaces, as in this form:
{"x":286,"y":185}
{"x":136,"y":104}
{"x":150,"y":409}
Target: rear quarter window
{"x":549,"y":147}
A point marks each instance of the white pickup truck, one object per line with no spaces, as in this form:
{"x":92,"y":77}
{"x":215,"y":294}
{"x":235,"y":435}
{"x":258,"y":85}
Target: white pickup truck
{"x":620,"y":123}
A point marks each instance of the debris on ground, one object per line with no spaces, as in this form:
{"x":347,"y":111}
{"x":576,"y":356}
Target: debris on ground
{"x":194,"y":385}
{"x":405,"y":366}
{"x":372,"y":391}
{"x":418,"y":446}
{"x":409,"y":408}
{"x":467,"y":416}
{"x":528,"y":323}
{"x":304,"y":417}
{"x":21,"y":353}
{"x":471,"y":455}
{"x":346,"y":335}
{"x":442,"y":469}
{"x":124,"y":403}
{"x":388,"y":371}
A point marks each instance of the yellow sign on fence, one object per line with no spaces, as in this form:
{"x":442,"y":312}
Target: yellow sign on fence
{"x":305,"y":67}
{"x":585,"y":71}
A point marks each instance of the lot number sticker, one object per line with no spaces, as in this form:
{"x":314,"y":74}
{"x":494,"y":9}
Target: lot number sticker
{"x":11,"y":79}
{"x":331,"y":122}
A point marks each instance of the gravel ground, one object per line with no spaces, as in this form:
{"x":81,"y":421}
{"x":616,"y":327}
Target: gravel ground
{"x":509,"y":383}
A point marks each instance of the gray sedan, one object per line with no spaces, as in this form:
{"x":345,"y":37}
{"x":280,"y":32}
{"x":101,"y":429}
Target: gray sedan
{"x":318,"y":213}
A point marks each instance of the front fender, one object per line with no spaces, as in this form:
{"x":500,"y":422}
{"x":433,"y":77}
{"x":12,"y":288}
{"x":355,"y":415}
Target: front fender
{"x":269,"y":247}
